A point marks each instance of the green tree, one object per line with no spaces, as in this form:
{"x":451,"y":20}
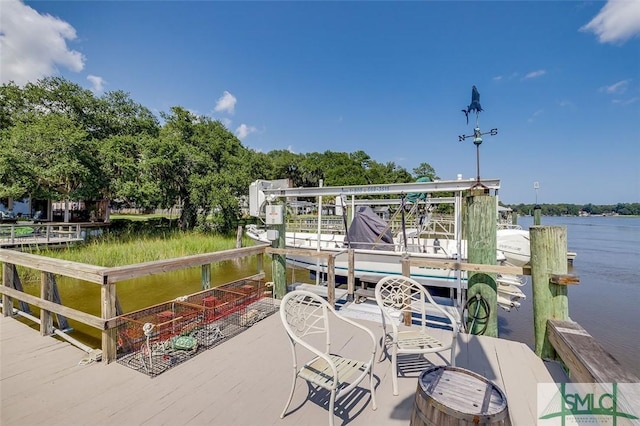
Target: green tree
{"x":59,"y":161}
{"x":425,"y":170}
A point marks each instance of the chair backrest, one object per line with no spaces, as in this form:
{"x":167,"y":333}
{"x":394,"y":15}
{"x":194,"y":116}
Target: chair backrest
{"x":305,"y":314}
{"x":407,"y":296}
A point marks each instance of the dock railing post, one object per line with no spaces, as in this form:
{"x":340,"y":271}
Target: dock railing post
{"x":406,"y":271}
{"x":331,"y":280}
{"x":108,"y":311}
{"x":351,"y":279}
{"x":260,"y":263}
{"x":482,"y":295}
{"x":46,"y":293}
{"x":550,"y":301}
{"x":7,"y":302}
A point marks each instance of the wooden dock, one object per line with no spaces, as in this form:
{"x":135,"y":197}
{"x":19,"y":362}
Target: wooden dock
{"x":48,"y":234}
{"x":243,"y":381}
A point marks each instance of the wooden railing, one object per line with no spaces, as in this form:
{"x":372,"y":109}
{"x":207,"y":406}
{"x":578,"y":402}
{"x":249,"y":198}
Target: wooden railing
{"x":46,"y":233}
{"x":103,"y":276}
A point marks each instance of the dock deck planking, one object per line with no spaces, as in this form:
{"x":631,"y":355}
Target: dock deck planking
{"x":243,"y":381}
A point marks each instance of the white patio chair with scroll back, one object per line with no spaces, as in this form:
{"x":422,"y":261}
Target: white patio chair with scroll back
{"x":398,"y":296}
{"x":305,"y":315}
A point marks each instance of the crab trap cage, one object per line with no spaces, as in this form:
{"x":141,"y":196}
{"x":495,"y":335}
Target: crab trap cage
{"x":154,"y":339}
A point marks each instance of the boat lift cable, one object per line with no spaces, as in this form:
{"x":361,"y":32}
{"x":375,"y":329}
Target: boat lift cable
{"x":481,"y":320}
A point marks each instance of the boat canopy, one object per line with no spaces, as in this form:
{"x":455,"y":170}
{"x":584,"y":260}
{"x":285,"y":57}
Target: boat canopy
{"x":368,"y":231}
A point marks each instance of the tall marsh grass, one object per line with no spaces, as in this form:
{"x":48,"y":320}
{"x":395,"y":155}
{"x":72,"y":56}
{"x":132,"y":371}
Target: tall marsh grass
{"x":131,"y":248}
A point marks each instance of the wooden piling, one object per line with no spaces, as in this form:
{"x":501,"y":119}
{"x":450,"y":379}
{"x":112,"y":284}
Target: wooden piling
{"x":550,"y":301}
{"x":239,"y":237}
{"x":537,"y":212}
{"x":481,"y":223}
{"x":205,"y":276}
{"x":279,"y":261}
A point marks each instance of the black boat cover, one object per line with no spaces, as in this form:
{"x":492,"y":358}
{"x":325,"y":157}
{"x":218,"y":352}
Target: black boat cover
{"x":366,"y":229}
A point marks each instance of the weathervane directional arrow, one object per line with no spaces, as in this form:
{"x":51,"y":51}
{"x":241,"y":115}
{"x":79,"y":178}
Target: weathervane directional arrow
{"x":477,"y":134}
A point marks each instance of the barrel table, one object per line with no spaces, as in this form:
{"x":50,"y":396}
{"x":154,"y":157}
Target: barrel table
{"x":456,"y":396}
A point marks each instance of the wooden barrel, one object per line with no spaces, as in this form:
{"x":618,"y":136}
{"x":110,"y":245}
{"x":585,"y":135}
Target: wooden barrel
{"x":456,"y":396}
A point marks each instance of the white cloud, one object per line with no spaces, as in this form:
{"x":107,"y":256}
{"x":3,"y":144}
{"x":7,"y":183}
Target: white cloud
{"x":32,"y":46}
{"x":535,"y":115}
{"x":243,"y":131}
{"x":625,"y":101}
{"x":534,"y":74}
{"x":97,"y":83}
{"x":227,"y":102}
{"x":619,"y":87}
{"x":497,"y":78}
{"x":617,"y":21}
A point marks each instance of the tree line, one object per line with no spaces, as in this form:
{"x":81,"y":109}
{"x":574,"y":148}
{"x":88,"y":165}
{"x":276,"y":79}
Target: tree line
{"x":577,"y":209}
{"x":62,"y":142}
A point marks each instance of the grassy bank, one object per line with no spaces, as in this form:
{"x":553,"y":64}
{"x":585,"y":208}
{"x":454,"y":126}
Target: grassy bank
{"x":118,"y":251}
{"x":137,"y":246}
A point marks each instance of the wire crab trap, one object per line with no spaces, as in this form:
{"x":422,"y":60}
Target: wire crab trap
{"x":248,"y":301}
{"x":154,"y":339}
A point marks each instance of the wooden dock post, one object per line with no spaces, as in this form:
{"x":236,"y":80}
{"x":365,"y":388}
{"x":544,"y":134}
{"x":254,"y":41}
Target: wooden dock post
{"x":331,"y":280}
{"x":351,"y":278}
{"x":46,"y":293}
{"x":279,"y":261}
{"x":205,"y":276}
{"x":482,"y":218}
{"x":537,"y":212}
{"x":108,"y":311}
{"x":7,"y":302}
{"x":550,"y":301}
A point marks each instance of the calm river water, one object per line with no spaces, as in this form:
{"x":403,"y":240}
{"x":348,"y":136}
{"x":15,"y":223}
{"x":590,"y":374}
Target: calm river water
{"x":606,"y":302}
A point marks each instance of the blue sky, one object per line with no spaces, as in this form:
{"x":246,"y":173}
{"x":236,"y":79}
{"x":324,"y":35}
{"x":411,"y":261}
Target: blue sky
{"x":559,"y":79}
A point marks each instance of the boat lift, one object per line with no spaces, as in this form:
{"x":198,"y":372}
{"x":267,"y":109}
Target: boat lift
{"x":264,"y":192}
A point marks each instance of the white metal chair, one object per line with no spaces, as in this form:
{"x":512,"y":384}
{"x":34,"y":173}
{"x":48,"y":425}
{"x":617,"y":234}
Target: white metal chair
{"x":305,"y":314}
{"x":398,"y":296}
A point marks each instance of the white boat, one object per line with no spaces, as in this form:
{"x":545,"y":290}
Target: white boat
{"x":379,"y":253}
{"x":514,"y":244}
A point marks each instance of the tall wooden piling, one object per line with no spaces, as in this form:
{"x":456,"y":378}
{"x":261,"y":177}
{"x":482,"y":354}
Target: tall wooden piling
{"x":205,"y":276}
{"x":537,"y":212}
{"x":550,"y":301}
{"x":279,"y":261}
{"x":482,"y":217}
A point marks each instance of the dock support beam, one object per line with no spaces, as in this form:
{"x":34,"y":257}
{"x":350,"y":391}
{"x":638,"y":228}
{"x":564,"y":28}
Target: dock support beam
{"x":482,"y":217}
{"x":550,"y":301}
